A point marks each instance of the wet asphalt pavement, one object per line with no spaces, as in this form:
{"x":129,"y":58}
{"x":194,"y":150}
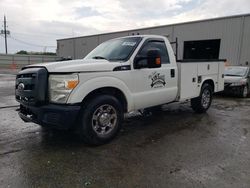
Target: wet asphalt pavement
{"x":176,"y":148}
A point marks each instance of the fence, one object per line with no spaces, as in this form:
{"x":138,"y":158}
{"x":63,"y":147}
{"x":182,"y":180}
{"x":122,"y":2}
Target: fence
{"x":16,"y":61}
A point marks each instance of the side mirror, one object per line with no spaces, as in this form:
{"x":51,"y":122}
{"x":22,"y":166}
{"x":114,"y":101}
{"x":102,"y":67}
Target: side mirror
{"x":152,"y":60}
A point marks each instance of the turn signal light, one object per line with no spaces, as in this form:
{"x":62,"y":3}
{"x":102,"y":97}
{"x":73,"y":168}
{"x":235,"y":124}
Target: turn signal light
{"x":158,"y":61}
{"x":71,"y":84}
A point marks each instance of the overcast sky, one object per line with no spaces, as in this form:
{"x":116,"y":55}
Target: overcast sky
{"x":35,"y":24}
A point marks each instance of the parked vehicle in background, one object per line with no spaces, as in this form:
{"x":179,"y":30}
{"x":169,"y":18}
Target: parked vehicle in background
{"x":237,"y":80}
{"x":131,"y":73}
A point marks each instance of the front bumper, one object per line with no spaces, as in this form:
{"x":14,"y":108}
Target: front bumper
{"x":236,"y":90}
{"x":51,"y":115}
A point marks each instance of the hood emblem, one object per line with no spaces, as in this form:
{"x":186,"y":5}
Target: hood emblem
{"x":21,"y":86}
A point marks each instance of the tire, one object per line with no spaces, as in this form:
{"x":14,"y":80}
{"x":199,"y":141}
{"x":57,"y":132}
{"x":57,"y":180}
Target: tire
{"x":100,"y":120}
{"x":244,"y":91}
{"x":202,"y":103}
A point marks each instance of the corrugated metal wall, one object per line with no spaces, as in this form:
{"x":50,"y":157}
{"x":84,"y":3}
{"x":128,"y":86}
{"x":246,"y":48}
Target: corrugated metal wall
{"x":234,"y":33}
{"x":245,"y":47}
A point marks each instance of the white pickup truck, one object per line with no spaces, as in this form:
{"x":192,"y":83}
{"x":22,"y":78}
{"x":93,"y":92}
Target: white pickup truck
{"x":91,"y":95}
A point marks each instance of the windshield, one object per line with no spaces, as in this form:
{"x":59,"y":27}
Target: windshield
{"x":235,"y":71}
{"x":113,"y":50}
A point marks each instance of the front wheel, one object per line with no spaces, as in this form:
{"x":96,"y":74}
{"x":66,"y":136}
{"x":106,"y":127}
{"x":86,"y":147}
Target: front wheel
{"x":101,"y":120}
{"x":244,"y":91}
{"x":202,"y":103}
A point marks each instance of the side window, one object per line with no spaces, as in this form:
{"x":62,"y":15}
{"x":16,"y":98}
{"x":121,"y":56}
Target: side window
{"x":159,"y":45}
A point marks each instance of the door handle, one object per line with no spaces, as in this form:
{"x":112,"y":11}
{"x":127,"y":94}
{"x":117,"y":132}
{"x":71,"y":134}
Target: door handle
{"x":172,"y":72}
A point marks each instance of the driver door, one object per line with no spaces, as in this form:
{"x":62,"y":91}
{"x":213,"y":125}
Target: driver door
{"x":154,"y":86}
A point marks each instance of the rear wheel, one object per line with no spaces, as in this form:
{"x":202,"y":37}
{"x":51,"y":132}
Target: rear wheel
{"x":202,"y":103}
{"x":101,"y":120}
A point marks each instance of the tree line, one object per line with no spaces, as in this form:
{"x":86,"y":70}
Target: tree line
{"x":23,"y":52}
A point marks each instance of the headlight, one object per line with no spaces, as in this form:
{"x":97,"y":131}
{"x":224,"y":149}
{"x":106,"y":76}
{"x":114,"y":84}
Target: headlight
{"x":241,"y":83}
{"x":60,"y":87}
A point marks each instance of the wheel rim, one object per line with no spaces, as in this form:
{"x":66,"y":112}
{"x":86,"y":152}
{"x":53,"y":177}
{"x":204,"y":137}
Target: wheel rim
{"x":206,"y":98}
{"x":104,"y":119}
{"x":245,"y":91}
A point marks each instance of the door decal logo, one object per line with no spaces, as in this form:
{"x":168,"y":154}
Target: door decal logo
{"x":157,"y":79}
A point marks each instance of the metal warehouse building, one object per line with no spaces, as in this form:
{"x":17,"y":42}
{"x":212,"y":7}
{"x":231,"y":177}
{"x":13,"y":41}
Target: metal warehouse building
{"x":223,"y":38}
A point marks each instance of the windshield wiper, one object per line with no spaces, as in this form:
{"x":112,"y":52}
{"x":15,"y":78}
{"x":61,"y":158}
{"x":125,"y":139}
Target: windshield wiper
{"x":99,"y":57}
{"x":117,"y":59}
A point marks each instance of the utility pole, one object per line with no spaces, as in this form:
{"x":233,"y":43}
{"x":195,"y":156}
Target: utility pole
{"x":5,"y":32}
{"x":5,"y":35}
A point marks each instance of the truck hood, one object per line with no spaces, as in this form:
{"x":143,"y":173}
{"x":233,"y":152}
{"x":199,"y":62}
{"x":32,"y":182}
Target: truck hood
{"x":80,"y":65}
{"x":233,"y":79}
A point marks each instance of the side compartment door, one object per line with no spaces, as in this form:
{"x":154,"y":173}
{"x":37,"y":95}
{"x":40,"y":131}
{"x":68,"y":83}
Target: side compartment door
{"x":154,"y":86}
{"x":188,"y":81}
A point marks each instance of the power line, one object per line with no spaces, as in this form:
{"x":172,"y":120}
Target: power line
{"x":6,"y":32}
{"x":31,"y":44}
{"x":42,"y":34}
